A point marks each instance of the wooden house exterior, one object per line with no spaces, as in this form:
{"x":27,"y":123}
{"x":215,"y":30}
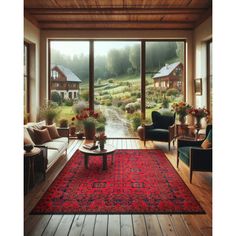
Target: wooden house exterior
{"x":169,"y":76}
{"x":65,"y":82}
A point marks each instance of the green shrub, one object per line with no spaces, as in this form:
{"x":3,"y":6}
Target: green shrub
{"x":63,"y":123}
{"x":56,"y":97}
{"x":136,"y":121}
{"x":68,"y":102}
{"x":172,"y":92}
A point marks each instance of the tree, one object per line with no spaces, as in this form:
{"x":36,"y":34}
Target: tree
{"x":180,"y":51}
{"x":134,"y":57}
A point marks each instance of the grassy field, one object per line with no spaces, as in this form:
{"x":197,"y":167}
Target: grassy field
{"x":119,"y":92}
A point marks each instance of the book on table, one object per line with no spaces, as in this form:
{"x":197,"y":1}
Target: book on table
{"x":90,"y":146}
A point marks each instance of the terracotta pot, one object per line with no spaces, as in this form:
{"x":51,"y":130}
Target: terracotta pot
{"x":140,"y":131}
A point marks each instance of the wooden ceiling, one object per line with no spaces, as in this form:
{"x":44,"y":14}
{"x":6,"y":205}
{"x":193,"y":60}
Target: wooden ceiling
{"x":117,"y":14}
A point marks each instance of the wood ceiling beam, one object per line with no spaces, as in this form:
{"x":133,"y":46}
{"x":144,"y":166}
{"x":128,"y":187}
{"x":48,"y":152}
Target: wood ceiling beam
{"x":31,"y":18}
{"x":109,"y":25}
{"x":96,"y":21}
{"x":203,"y":17}
{"x":118,"y":11}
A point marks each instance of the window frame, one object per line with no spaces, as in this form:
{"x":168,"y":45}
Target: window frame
{"x":27,"y":76}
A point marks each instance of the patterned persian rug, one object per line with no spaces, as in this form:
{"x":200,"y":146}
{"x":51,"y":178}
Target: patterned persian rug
{"x":139,"y":182}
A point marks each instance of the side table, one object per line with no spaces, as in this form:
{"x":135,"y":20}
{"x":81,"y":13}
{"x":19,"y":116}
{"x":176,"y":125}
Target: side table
{"x":184,"y":130}
{"x":109,"y":150}
{"x":29,"y":159}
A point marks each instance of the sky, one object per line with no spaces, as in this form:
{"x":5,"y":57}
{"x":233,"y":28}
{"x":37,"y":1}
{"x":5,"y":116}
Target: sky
{"x":82,"y":47}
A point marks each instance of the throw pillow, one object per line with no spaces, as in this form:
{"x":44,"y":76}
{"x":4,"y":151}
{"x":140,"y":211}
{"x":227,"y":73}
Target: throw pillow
{"x":27,"y":138}
{"x":52,"y":131}
{"x":207,"y":143}
{"x":42,"y":136}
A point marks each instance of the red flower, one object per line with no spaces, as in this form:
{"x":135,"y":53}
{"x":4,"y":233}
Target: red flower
{"x":95,"y":115}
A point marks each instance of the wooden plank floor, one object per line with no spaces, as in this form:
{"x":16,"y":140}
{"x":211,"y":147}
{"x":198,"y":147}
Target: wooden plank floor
{"x":112,"y":225}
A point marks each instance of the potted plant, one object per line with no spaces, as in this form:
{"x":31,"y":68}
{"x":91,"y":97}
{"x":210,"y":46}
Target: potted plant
{"x":49,"y":111}
{"x":87,"y":118}
{"x":63,"y":123}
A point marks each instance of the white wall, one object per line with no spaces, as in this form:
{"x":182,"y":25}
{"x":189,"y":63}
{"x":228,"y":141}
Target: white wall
{"x":114,"y":34}
{"x":32,"y":36}
{"x":202,"y":34}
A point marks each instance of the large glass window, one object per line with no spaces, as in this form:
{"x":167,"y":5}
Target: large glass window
{"x":164,"y":75}
{"x":107,"y":76}
{"x":69,"y":81}
{"x":117,"y":85}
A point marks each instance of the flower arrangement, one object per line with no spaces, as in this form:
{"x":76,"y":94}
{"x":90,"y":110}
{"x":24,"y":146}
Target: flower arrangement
{"x":181,"y":108}
{"x":87,"y":116}
{"x":199,"y":112}
{"x":101,"y":138}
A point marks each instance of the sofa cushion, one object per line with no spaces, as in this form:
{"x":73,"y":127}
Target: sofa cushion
{"x":61,"y":139}
{"x":59,"y":146}
{"x":42,"y":136}
{"x":31,"y":126}
{"x":158,"y":134}
{"x":52,"y":155}
{"x":52,"y":129}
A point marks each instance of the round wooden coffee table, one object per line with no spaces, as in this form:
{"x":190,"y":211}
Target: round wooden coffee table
{"x":109,"y":150}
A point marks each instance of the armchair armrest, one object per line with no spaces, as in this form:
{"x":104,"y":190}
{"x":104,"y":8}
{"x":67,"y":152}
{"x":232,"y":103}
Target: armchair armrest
{"x":188,"y":143}
{"x":201,"y":159}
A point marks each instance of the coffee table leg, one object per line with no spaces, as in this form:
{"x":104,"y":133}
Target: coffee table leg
{"x":86,"y":161}
{"x":104,"y":162}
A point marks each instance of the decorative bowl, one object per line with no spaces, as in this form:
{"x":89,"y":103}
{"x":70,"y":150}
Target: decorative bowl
{"x":28,"y":147}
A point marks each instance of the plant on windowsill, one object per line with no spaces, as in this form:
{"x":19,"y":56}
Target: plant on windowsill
{"x":49,"y":111}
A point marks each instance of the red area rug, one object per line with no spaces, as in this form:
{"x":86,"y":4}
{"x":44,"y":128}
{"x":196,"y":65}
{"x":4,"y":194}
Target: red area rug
{"x":139,"y":181}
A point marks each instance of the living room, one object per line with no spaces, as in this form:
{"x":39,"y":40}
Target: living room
{"x":166,"y":51}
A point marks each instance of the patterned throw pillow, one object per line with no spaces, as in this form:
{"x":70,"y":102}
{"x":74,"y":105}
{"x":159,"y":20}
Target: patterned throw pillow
{"x":52,"y":131}
{"x":42,"y":136}
{"x":207,"y":143}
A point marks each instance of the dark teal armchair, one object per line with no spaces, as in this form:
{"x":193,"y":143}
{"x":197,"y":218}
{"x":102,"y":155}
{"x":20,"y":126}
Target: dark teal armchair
{"x":162,"y":128}
{"x":193,"y":155}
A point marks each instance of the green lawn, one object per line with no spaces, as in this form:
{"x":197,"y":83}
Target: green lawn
{"x":66,"y":112}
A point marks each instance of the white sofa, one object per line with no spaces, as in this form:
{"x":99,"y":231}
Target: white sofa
{"x":52,"y":149}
